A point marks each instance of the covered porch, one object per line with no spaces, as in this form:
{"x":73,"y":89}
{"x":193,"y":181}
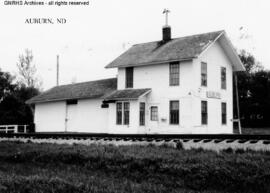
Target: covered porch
{"x":127,"y":110}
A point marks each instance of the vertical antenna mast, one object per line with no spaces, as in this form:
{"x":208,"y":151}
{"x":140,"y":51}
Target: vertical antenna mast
{"x":166,"y":12}
{"x":57,"y":71}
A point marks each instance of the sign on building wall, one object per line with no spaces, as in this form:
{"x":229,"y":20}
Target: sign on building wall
{"x":213,"y":94}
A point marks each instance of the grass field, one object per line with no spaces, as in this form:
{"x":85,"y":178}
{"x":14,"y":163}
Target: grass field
{"x":40,"y":168}
{"x":263,"y":131}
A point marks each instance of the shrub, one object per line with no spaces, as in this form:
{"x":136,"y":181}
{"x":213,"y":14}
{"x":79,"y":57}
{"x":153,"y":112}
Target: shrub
{"x":179,"y":145}
{"x":240,"y":151}
{"x":228,"y":150}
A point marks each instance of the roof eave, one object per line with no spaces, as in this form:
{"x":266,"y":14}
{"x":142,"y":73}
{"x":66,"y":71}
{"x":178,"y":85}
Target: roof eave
{"x":126,"y":98}
{"x":120,"y":99}
{"x":209,"y":45}
{"x":146,"y":93}
{"x":237,"y":64}
{"x":62,"y":99}
{"x":152,"y":63}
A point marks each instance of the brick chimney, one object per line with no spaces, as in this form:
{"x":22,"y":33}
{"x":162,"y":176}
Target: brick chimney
{"x":166,"y":33}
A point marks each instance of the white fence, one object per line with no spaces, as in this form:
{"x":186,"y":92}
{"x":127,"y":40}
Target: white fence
{"x":13,"y":128}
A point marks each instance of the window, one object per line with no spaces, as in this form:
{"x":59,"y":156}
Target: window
{"x":203,"y":74}
{"x":104,"y":105}
{"x":174,"y":74}
{"x":154,"y":113}
{"x":126,"y":113}
{"x":129,"y":77}
{"x":120,"y":108}
{"x":118,"y":113}
{"x":142,"y":114}
{"x":204,"y":112}
{"x":174,"y":112}
{"x":223,"y":77}
{"x":72,"y":102}
{"x":224,"y":113}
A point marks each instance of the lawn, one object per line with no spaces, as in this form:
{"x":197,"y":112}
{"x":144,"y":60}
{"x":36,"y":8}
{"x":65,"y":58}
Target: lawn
{"x":40,"y":168}
{"x":262,"y":131}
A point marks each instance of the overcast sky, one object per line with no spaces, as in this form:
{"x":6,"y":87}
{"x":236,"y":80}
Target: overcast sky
{"x":94,"y":35}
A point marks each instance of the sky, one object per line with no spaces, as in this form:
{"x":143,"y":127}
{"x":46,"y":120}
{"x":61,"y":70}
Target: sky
{"x":95,"y":35}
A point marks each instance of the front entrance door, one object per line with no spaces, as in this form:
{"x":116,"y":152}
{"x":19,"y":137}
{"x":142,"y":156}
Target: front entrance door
{"x":71,"y":117}
{"x":154,"y":119}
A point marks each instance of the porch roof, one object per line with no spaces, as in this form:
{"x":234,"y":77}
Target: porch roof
{"x":127,"y":94}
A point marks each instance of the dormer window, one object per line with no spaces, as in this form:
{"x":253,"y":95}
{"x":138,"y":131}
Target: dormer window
{"x":129,"y":77}
{"x":174,"y":74}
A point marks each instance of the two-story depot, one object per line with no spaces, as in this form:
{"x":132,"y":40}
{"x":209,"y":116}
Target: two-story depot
{"x":181,"y":85}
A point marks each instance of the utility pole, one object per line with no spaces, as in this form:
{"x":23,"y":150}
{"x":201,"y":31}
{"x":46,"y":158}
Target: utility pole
{"x":57,"y":71}
{"x":237,"y":104}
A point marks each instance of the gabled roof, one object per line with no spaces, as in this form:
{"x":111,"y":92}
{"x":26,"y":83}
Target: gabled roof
{"x":178,"y":49}
{"x":127,"y":94}
{"x":84,"y":90}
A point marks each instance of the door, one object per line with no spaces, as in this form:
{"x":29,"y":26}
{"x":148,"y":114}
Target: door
{"x":71,"y":118}
{"x":154,"y":119}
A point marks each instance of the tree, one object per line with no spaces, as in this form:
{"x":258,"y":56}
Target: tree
{"x":13,"y":109}
{"x":259,"y":99}
{"x":249,"y":61}
{"x":13,"y":95}
{"x":24,"y":93}
{"x":27,"y":70}
{"x":6,"y":90}
{"x":254,"y":92}
{"x":6,"y":86}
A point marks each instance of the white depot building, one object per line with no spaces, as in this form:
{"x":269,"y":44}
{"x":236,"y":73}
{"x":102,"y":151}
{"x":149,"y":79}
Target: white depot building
{"x":171,"y":86}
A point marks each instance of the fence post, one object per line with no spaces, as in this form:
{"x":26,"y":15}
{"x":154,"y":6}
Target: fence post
{"x":6,"y":128}
{"x":24,"y":128}
{"x":15,"y":128}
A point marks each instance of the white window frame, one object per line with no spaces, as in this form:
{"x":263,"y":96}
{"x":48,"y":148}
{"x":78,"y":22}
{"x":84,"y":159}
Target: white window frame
{"x":123,"y":113}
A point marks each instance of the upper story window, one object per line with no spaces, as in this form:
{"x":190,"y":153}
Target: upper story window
{"x":223,"y":78}
{"x":129,"y":77}
{"x":142,"y":114}
{"x":203,"y":74}
{"x":174,"y":74}
{"x":174,"y":112}
{"x":204,"y":113}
